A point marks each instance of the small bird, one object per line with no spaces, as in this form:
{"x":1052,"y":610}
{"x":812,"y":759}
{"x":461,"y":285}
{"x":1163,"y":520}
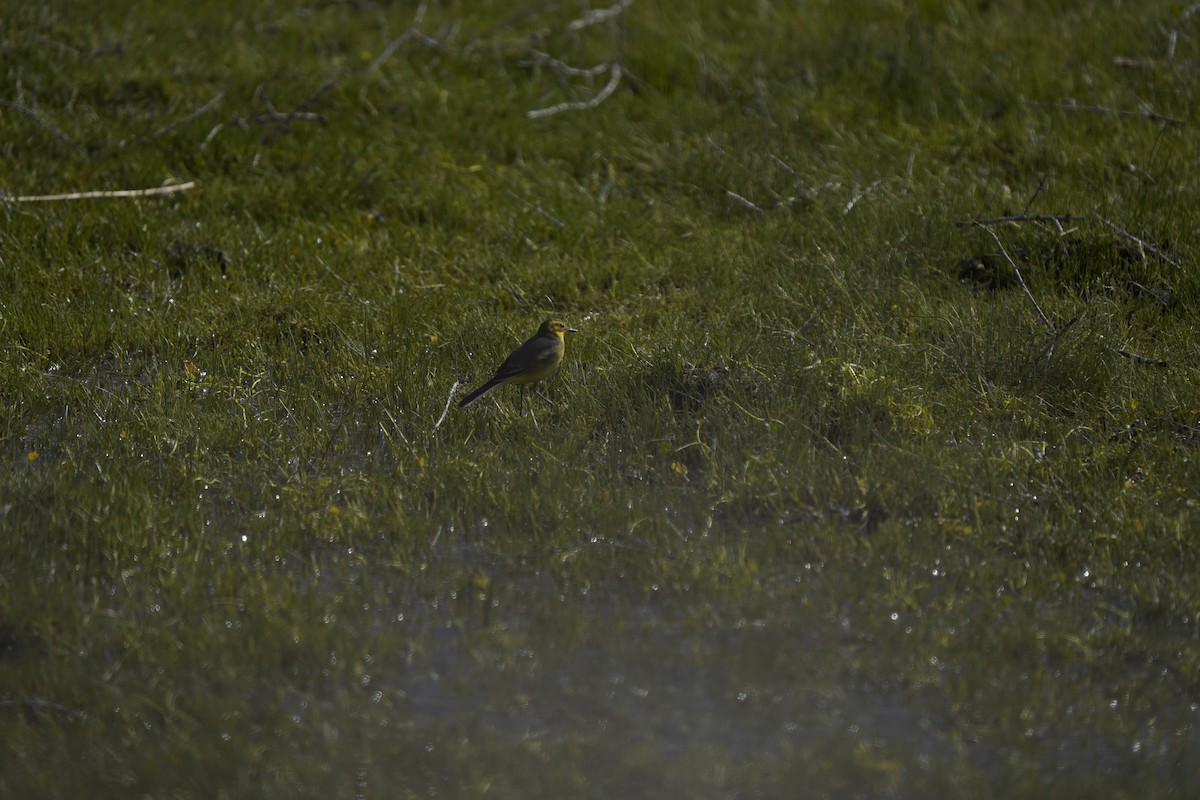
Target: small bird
{"x":535,"y":359}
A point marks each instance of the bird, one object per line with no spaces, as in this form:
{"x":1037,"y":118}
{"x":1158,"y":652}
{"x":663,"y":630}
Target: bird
{"x":536,"y":358}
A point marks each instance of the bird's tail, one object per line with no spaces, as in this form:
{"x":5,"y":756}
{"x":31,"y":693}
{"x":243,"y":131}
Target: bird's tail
{"x":480,"y":392}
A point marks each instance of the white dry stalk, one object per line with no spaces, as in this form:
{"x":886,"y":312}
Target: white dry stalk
{"x":1020,"y":279}
{"x":178,"y":187}
{"x":599,"y":15}
{"x":583,"y":105}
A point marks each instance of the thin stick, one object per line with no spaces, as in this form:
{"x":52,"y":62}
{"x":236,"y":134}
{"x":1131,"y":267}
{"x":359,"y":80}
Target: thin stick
{"x":394,"y":45}
{"x":555,"y":221}
{"x":748,"y":204}
{"x":561,"y":68}
{"x":1126,"y":61}
{"x":179,"y":187}
{"x":1135,"y":358}
{"x":583,"y":105}
{"x":1147,"y":246}
{"x":521,"y":16}
{"x":1041,"y":185}
{"x":1058,"y":219}
{"x":599,"y":15}
{"x":854,"y":200}
{"x":50,"y":126}
{"x":282,"y":120}
{"x":1048,"y":350}
{"x":38,"y":702}
{"x":288,"y":116}
{"x":197,"y":113}
{"x":211,"y":135}
{"x":412,"y":32}
{"x":781,"y":162}
{"x":1020,"y":279}
{"x":1153,"y":116}
{"x":446,"y":410}
{"x":112,"y":49}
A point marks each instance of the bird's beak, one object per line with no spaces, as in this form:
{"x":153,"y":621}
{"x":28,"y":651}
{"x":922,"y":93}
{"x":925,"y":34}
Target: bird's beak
{"x":572,"y":330}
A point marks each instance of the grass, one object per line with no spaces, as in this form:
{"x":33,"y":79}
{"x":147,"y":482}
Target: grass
{"x":821,"y":507}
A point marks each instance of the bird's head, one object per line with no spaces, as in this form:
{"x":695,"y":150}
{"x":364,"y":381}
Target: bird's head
{"x":556,"y":328}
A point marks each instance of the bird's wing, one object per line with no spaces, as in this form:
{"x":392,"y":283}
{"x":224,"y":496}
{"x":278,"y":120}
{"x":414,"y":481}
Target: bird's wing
{"x":532,"y":357}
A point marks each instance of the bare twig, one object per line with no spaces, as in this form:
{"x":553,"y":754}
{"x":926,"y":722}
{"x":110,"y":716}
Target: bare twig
{"x":446,"y":410}
{"x":854,"y":200}
{"x":1135,"y":358}
{"x":1020,"y":279}
{"x":721,"y":151}
{"x":179,"y":187}
{"x":283,"y":119}
{"x":781,"y":162}
{"x":413,"y":32}
{"x":40,"y":703}
{"x":599,"y":15}
{"x":1155,"y":293}
{"x":58,"y":132}
{"x":211,"y":135}
{"x":312,"y":98}
{"x":610,"y":87}
{"x":108,"y":50}
{"x":1048,"y":350}
{"x":1145,"y":113}
{"x":1057,"y":219}
{"x":555,"y":221}
{"x":1041,"y":185}
{"x":743,"y":201}
{"x":566,"y":70}
{"x":1129,"y":62}
{"x":1143,"y":245}
{"x":163,"y":131}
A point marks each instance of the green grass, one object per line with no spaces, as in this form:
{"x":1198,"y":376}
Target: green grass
{"x":821,"y":508}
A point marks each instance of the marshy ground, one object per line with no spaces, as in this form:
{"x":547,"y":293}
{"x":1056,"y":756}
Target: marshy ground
{"x":870,"y":473}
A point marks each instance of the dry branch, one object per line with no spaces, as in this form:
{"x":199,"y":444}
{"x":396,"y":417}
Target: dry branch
{"x":446,"y":409}
{"x":1147,"y":247}
{"x":1145,"y":113}
{"x":1021,"y":280}
{"x":854,"y":200}
{"x":1057,"y":219}
{"x":38,"y":118}
{"x":1129,"y":62}
{"x":412,"y":32}
{"x":747,"y":203}
{"x":599,"y":15}
{"x":555,"y":221}
{"x":178,"y":187}
{"x":600,"y":96}
{"x":108,"y":50}
{"x":781,"y":163}
{"x":282,"y":119}
{"x":1048,"y":350}
{"x":163,"y":131}
{"x":566,"y":70}
{"x":211,"y":135}
{"x":1135,"y":358}
{"x":43,"y":704}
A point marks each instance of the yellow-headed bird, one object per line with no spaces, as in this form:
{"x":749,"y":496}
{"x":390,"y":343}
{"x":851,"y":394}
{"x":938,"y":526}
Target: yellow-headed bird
{"x":535,"y":359}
